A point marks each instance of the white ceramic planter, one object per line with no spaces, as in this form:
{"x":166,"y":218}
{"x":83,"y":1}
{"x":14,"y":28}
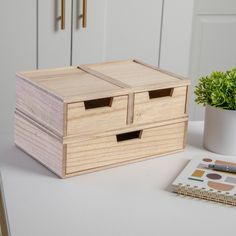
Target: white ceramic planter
{"x":220,"y":130}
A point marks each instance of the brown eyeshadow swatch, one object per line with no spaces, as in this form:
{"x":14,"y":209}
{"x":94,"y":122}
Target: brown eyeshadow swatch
{"x":220,"y":186}
{"x":213,"y":176}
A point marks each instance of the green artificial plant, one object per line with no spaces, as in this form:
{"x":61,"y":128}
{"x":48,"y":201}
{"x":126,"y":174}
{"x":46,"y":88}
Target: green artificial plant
{"x":218,"y":90}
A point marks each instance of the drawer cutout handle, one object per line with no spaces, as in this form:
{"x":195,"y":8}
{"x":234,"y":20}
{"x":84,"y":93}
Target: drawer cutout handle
{"x":96,"y":103}
{"x":128,"y":136}
{"x":161,"y":93}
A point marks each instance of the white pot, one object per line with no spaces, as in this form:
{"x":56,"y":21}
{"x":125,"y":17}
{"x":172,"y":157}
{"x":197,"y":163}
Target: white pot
{"x":220,"y":130}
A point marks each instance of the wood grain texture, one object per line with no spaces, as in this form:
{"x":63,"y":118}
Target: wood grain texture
{"x":44,"y":147}
{"x":159,"y":69}
{"x":73,"y":85}
{"x":3,"y":222}
{"x":130,"y":109}
{"x":187,"y":100}
{"x":185,"y":134}
{"x":68,"y":83}
{"x":39,"y":105}
{"x":44,"y":74}
{"x":129,"y":128}
{"x":82,"y":155}
{"x":81,"y":121}
{"x":87,"y":171}
{"x":148,"y":110}
{"x":105,"y":151}
{"x":103,"y":77}
{"x":135,"y":74}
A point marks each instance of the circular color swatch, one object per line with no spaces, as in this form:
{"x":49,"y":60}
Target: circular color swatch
{"x":213,"y":176}
{"x":207,"y":160}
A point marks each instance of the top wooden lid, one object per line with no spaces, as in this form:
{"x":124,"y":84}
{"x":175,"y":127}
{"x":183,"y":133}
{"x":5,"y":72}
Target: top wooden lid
{"x":73,"y":84}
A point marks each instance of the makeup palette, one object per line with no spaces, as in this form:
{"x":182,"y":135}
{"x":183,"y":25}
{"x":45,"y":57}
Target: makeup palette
{"x":197,"y":180}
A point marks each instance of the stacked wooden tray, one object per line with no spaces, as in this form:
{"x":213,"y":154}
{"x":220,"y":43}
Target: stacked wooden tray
{"x":81,"y":119}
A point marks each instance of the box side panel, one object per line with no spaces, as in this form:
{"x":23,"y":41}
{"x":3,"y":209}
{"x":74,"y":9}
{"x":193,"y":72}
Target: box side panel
{"x":41,"y":145}
{"x":115,"y":149}
{"x":39,"y":105}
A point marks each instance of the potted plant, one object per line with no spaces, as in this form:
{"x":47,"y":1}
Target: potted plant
{"x":218,"y":93}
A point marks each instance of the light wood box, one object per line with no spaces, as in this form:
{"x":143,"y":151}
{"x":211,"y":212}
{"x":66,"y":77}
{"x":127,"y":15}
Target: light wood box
{"x":80,"y":119}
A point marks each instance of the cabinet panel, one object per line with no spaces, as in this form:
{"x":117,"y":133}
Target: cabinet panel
{"x":54,"y":44}
{"x":117,"y":30}
{"x":176,"y":36}
{"x":88,"y":43}
{"x":17,"y":52}
{"x":213,"y":43}
{"x":133,"y":30}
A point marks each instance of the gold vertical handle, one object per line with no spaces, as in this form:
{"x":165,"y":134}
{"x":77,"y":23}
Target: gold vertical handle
{"x":62,"y":14}
{"x":84,"y":24}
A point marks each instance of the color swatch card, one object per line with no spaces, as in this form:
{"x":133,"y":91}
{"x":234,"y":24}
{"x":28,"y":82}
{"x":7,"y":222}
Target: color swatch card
{"x":199,"y":179}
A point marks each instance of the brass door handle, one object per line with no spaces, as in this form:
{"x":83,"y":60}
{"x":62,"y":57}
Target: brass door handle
{"x":62,"y":14}
{"x":84,"y":23}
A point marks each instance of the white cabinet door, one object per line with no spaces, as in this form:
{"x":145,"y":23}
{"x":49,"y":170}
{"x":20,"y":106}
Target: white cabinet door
{"x":176,"y":36}
{"x":133,"y":30}
{"x":17,"y":52}
{"x":213,"y":42}
{"x":117,"y":30}
{"x":88,"y":43}
{"x":54,"y":43}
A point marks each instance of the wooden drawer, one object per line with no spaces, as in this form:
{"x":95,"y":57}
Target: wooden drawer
{"x":160,"y":105}
{"x":77,"y":155}
{"x":100,"y":152}
{"x":98,"y":115}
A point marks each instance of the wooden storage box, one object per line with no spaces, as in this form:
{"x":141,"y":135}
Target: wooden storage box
{"x":80,"y":119}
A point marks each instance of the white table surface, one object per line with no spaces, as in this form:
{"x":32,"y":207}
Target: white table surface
{"x":131,"y":200}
